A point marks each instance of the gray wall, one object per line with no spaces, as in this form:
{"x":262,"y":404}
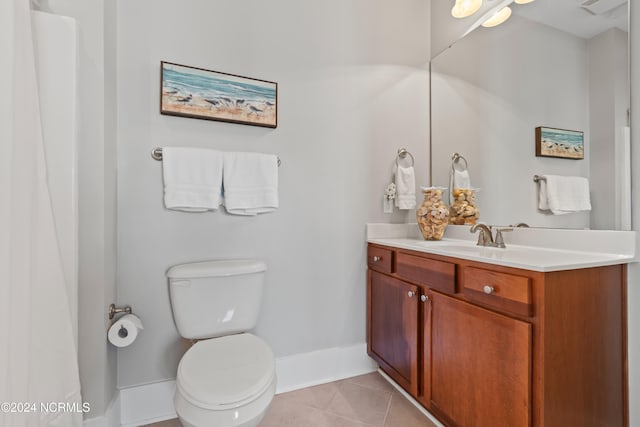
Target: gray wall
{"x":353,"y":88}
{"x":96,"y":195}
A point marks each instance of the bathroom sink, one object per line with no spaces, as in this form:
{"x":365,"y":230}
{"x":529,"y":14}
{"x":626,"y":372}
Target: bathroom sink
{"x":528,"y":257}
{"x":465,"y":250}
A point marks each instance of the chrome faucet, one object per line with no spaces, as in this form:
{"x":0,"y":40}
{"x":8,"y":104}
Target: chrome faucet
{"x":485,"y":238}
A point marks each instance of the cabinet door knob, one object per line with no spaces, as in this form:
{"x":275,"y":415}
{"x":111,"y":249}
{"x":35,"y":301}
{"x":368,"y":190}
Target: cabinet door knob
{"x":424,"y":298}
{"x":411,"y":294}
{"x":377,"y":258}
{"x":488,"y":289}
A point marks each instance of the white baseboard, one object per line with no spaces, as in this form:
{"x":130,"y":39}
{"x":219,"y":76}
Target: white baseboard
{"x":322,"y":366}
{"x":111,"y":418}
{"x":146,"y":404}
{"x":152,"y":403}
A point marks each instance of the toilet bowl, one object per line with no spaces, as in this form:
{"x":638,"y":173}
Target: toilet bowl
{"x":228,"y":377}
{"x":226,"y":381}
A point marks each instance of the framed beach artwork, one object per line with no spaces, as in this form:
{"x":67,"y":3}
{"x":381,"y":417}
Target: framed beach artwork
{"x":565,"y":144}
{"x":212,"y":95}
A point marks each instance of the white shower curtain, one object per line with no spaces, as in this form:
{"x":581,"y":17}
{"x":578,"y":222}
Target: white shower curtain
{"x":39,"y":381}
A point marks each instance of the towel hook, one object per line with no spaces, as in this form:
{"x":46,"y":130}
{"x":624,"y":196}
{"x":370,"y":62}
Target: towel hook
{"x":402,"y":154}
{"x":538,"y":178}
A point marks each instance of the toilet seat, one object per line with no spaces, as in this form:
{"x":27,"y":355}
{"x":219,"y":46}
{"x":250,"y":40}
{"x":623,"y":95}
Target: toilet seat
{"x":226,"y":372}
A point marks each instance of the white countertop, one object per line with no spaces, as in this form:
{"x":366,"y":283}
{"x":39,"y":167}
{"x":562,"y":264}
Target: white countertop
{"x":551,"y":250}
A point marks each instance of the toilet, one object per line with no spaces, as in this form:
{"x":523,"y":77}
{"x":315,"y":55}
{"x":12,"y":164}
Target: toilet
{"x":227,"y":378}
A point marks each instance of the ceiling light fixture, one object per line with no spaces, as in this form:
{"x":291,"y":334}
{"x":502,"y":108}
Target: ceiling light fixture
{"x":464,"y":8}
{"x":523,"y":1}
{"x":498,"y":18}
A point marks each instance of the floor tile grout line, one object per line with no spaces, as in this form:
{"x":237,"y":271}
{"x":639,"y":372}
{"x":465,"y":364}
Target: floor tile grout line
{"x":359,"y":421}
{"x":386,"y":414}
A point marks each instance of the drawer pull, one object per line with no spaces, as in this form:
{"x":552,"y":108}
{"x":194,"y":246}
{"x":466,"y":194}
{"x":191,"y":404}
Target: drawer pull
{"x":424,"y":298}
{"x":377,"y":258}
{"x":411,"y":294}
{"x":488,"y":289}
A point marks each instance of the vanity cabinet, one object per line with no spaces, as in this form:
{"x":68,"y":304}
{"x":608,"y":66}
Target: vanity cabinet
{"x":479,"y":344}
{"x":394,"y":328}
{"x":480,"y":365}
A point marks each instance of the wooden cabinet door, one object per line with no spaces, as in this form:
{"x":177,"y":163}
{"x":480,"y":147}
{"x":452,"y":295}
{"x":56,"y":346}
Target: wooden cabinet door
{"x":480,"y":365}
{"x":393,"y":328}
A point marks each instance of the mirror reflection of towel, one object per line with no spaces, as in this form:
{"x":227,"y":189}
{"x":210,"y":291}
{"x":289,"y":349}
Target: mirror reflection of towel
{"x":405,"y":188}
{"x":458,"y":179}
{"x":461,"y":179}
{"x":564,"y":194}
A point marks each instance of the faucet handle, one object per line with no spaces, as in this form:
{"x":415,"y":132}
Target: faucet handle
{"x":499,"y":242}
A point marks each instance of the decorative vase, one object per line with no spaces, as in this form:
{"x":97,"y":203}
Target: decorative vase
{"x":463,"y":210}
{"x":433,"y":214}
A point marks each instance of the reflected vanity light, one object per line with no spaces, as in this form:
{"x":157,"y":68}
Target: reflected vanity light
{"x":497,"y":19}
{"x":464,"y":8}
{"x":523,"y":1}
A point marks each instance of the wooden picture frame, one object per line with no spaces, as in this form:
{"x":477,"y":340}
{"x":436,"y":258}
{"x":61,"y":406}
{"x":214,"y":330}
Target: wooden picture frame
{"x":211,"y":95}
{"x":561,"y":143}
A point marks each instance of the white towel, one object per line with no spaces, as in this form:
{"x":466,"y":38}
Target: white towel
{"x":458,"y":179}
{"x":461,"y":179}
{"x":192,"y":178}
{"x":564,"y":194}
{"x":405,"y":188}
{"x":250,"y":183}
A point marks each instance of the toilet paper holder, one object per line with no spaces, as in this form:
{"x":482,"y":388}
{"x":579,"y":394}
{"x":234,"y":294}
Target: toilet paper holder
{"x":113,"y":310}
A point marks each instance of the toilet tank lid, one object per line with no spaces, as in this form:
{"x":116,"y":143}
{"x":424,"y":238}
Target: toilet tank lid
{"x":216,"y":268}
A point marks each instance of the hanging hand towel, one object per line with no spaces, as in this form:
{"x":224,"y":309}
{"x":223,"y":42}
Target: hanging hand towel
{"x":192,"y":178}
{"x":250,"y":183}
{"x":564,"y":194}
{"x":458,"y":179}
{"x":405,"y":188}
{"x":461,"y":179}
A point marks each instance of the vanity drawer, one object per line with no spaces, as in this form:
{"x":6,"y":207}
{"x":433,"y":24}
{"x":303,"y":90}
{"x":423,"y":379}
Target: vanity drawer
{"x":503,"y":291}
{"x":439,"y":275}
{"x":380,"y":259}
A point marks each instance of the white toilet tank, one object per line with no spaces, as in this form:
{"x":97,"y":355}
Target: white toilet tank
{"x":215,"y":298}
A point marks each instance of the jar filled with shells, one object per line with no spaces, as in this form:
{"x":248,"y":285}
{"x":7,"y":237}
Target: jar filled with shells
{"x":463,"y":210}
{"x":433,"y":214}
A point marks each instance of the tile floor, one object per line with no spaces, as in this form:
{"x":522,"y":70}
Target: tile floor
{"x":363,"y":401}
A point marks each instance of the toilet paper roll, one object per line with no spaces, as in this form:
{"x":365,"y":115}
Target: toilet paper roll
{"x":125,"y":330}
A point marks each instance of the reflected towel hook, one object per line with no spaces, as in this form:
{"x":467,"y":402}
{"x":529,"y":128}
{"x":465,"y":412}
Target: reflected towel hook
{"x":455,"y":158}
{"x":156,"y":154}
{"x":402,"y":154}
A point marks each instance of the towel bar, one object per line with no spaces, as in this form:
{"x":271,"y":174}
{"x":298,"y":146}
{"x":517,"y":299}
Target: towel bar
{"x":156,"y":154}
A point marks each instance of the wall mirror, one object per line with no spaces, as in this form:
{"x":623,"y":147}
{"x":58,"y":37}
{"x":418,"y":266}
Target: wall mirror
{"x":553,"y":64}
